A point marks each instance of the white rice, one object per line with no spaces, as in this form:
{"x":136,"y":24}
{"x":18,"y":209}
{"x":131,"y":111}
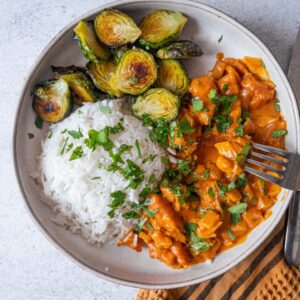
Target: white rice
{"x":79,"y":202}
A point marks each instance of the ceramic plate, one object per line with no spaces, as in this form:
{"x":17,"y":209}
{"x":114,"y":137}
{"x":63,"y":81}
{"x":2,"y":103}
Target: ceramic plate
{"x":120,"y":264}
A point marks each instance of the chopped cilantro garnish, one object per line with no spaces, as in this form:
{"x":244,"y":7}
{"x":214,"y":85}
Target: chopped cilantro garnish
{"x":263,"y":64}
{"x":211,"y":192}
{"x":221,"y":99}
{"x":223,"y":189}
{"x":197,"y":104}
{"x":145,"y":191}
{"x":131,"y":215}
{"x":241,"y":180}
{"x":117,"y":158}
{"x":50,"y":135}
{"x":276,"y":105}
{"x":205,"y":174}
{"x":189,"y":228}
{"x":38,"y":122}
{"x":184,"y":127}
{"x":245,"y":114}
{"x":242,"y":156}
{"x":225,"y":87}
{"x":75,"y":134}
{"x":223,"y":122}
{"x":79,"y":112}
{"x":220,"y":39}
{"x":198,"y":244}
{"x":149,"y":212}
{"x":96,"y":178}
{"x":149,"y":226}
{"x":118,"y":200}
{"x":238,"y":208}
{"x":239,"y":131}
{"x":279,"y":133}
{"x":70,"y":146}
{"x":184,"y":167}
{"x":30,"y":135}
{"x":133,"y":173}
{"x":151,"y":178}
{"x":231,"y":234}
{"x":138,"y":227}
{"x":231,"y":186}
{"x":77,"y":153}
{"x":99,"y":138}
{"x":62,"y":150}
{"x":138,"y":148}
{"x":235,"y":218}
{"x":151,"y":157}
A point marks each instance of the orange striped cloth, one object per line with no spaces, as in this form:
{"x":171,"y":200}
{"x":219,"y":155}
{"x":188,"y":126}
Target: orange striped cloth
{"x":263,"y":275}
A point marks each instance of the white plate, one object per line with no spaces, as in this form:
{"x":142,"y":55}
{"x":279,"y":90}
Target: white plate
{"x":120,"y":264}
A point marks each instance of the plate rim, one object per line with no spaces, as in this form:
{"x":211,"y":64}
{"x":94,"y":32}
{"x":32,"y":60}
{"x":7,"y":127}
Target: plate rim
{"x":39,"y":60}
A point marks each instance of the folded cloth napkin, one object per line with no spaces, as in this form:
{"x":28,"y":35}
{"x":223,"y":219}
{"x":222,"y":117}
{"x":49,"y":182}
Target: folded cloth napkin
{"x":263,"y":275}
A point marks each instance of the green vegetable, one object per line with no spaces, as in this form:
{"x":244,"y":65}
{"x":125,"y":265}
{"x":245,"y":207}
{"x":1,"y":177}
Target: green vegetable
{"x":184,"y":167}
{"x":180,"y":49}
{"x":197,"y":104}
{"x":115,"y":28}
{"x":133,"y":173}
{"x":242,"y":156}
{"x":91,"y":48}
{"x":205,"y":174}
{"x":211,"y":192}
{"x":80,"y":85}
{"x":62,"y":150}
{"x":118,"y":200}
{"x":101,"y":73}
{"x":231,"y":234}
{"x":38,"y":122}
{"x":279,"y":133}
{"x":223,"y":122}
{"x":131,"y":215}
{"x":30,"y":135}
{"x":77,"y":153}
{"x":189,"y":228}
{"x":157,"y":103}
{"x":75,"y":134}
{"x":198,"y":244}
{"x":138,"y":149}
{"x":150,"y":227}
{"x":105,"y":109}
{"x":220,"y":39}
{"x":138,"y":227}
{"x":117,"y":158}
{"x":276,"y":105}
{"x":238,"y":208}
{"x":184,"y":127}
{"x":52,"y":101}
{"x":135,"y":72}
{"x":161,"y":27}
{"x":173,"y":76}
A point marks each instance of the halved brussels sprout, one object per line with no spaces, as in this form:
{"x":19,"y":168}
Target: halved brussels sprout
{"x":118,"y":53}
{"x":52,"y":100}
{"x":81,"y":87}
{"x":173,"y":76}
{"x":115,"y":28}
{"x":161,"y":27}
{"x":101,"y":74}
{"x":91,"y":48}
{"x":135,"y":72}
{"x":157,"y":103}
{"x":180,"y":49}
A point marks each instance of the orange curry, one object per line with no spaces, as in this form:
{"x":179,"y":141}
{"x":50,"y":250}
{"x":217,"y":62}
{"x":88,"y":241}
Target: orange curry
{"x":207,"y":203}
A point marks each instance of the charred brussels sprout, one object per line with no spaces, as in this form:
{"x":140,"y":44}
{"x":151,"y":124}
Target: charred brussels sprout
{"x":157,"y":103}
{"x":173,"y":76}
{"x":52,"y":100}
{"x":115,"y":28}
{"x":161,"y":27}
{"x":91,"y":48}
{"x":81,"y":87}
{"x":180,"y":49}
{"x":135,"y":72}
{"x":101,"y":74}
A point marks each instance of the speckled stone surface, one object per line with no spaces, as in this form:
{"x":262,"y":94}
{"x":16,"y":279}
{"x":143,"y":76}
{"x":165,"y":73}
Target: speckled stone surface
{"x":30,"y":267}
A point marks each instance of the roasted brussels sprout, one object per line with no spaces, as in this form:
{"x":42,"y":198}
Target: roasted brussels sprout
{"x":115,"y":28}
{"x":91,"y":48}
{"x":157,"y":103}
{"x":80,"y":85}
{"x":161,"y":27}
{"x":172,"y":76}
{"x":118,"y":53}
{"x":52,"y":100}
{"x":135,"y":72}
{"x":180,"y":49}
{"x":101,"y":74}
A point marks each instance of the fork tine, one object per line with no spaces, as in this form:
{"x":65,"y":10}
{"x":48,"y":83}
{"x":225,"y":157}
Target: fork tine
{"x":270,"y":149}
{"x":263,"y":175}
{"x":270,"y":158}
{"x":268,"y":167}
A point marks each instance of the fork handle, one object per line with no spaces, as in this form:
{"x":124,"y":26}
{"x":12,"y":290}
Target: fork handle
{"x":292,"y":237}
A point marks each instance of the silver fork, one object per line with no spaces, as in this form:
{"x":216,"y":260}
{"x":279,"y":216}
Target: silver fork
{"x":289,"y":173}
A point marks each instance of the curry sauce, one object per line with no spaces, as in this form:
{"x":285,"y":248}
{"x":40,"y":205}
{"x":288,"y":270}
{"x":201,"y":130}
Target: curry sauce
{"x":206,"y":203}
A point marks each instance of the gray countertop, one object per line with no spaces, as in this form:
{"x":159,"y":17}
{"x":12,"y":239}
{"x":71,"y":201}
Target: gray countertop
{"x":30,"y":267}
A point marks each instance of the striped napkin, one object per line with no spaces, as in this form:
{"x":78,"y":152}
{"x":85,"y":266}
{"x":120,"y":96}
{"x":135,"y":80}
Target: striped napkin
{"x":263,"y":275}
